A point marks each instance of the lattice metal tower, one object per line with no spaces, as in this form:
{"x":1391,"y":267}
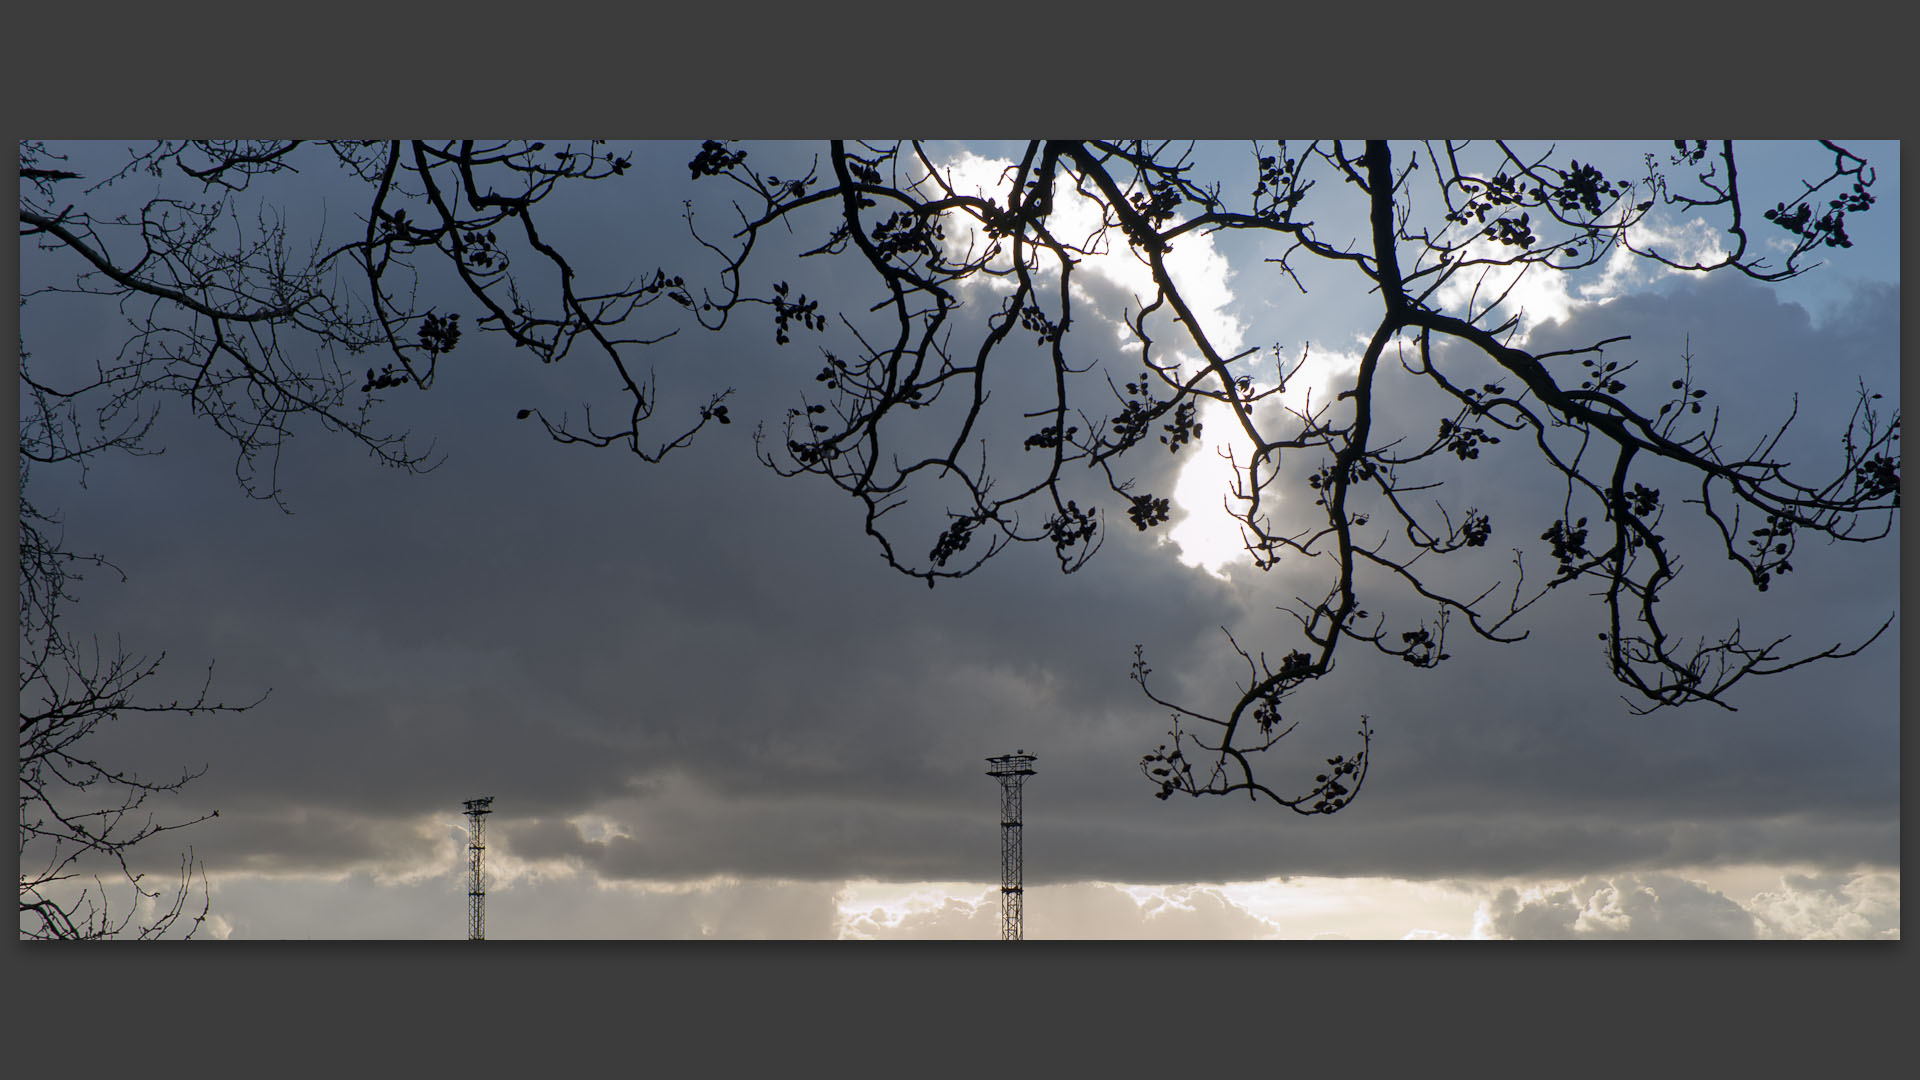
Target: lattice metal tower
{"x":1011,"y":770}
{"x":477,"y":810}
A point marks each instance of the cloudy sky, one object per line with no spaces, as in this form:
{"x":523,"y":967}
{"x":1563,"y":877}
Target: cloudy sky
{"x":706,"y":708}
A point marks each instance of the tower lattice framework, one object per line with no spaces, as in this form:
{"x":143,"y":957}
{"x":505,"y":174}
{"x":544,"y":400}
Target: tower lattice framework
{"x":477,"y":811}
{"x":1011,"y":770}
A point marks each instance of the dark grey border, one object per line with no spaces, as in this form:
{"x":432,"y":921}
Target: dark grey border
{"x":1209,"y":70}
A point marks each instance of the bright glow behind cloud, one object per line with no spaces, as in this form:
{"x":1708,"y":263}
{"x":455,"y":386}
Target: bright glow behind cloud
{"x":1196,"y":266}
{"x":1206,"y":536}
{"x":1782,"y":903}
{"x":1537,"y":294}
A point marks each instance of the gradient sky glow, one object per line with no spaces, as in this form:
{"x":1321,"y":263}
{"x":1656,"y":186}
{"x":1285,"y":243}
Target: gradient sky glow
{"x":706,"y":708}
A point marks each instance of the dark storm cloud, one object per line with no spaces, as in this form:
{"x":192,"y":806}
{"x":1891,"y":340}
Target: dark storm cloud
{"x":560,"y":626}
{"x":274,"y":840}
{"x":1528,"y":749}
{"x":1530,"y":839}
{"x":694,"y":834}
{"x":719,"y":661}
{"x":491,"y":633}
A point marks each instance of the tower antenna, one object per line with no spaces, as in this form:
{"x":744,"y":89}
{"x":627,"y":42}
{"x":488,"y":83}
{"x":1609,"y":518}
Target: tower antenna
{"x":477,"y":810}
{"x":1011,"y":770}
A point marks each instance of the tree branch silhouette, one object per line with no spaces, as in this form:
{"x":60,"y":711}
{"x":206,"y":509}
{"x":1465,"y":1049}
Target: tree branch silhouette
{"x":896,"y":378}
{"x":259,"y":330}
{"x":914,"y":384}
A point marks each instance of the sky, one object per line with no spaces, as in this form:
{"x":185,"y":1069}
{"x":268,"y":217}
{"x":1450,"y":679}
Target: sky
{"x":706,"y":708}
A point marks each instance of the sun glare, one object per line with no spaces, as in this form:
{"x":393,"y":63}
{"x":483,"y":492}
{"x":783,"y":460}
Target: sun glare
{"x":1207,"y":534}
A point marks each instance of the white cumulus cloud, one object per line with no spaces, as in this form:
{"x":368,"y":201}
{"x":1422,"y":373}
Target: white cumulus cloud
{"x":1859,"y":905}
